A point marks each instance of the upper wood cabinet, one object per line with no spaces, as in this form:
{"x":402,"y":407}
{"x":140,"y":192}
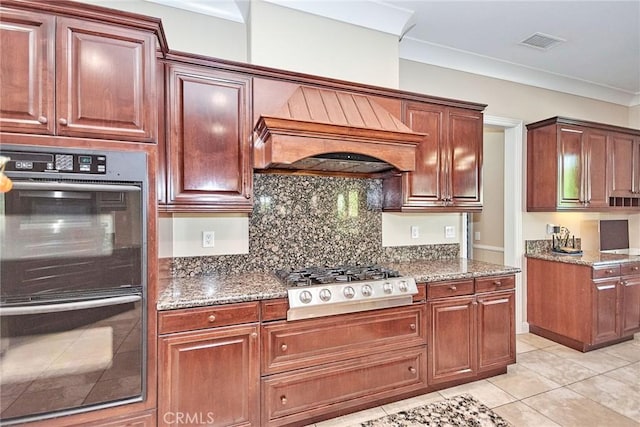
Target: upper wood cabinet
{"x":448,"y":162}
{"x":208,"y":140}
{"x":574,"y":165}
{"x":73,"y":77}
{"x":624,"y":150}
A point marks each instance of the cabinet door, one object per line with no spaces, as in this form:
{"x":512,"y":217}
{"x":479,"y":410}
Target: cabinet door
{"x":625,"y":165}
{"x":571,"y":174}
{"x":208,"y":138}
{"x":27,"y":67}
{"x":496,"y":330}
{"x":424,"y":185}
{"x":630,"y":305}
{"x":596,"y":170}
{"x":211,"y":376}
{"x":452,"y":342}
{"x":464,"y":158}
{"x":605,"y":297}
{"x":105,"y":82}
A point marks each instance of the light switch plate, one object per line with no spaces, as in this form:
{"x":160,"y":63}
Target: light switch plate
{"x":449,"y":232}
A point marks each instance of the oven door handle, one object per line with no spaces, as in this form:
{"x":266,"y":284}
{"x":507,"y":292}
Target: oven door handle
{"x":68,"y":306}
{"x":67,"y":186}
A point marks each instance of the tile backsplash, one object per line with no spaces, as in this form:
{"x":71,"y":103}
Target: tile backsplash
{"x":302,"y":221}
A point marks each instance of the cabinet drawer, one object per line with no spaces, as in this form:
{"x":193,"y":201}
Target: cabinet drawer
{"x":299,"y":344}
{"x":275,"y":309}
{"x":495,"y":283}
{"x":604,"y":271}
{"x":630,"y":269}
{"x":313,"y":392}
{"x":207,"y":317}
{"x":452,"y":288}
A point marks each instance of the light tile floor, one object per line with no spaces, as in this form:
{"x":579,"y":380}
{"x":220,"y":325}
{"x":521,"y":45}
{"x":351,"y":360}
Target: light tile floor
{"x":550,"y":385}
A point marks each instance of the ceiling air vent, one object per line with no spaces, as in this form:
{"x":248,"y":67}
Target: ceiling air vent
{"x":542,"y":41}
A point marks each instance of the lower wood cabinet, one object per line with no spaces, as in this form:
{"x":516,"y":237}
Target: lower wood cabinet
{"x":581,"y":306}
{"x":210,"y":377}
{"x":470,"y":333}
{"x":302,"y":394}
{"x":144,"y":419}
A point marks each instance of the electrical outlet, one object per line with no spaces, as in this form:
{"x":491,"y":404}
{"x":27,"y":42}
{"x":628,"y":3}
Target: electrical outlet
{"x":449,"y":232}
{"x":476,"y":235}
{"x":415,"y":232}
{"x":550,"y":228}
{"x":208,"y":240}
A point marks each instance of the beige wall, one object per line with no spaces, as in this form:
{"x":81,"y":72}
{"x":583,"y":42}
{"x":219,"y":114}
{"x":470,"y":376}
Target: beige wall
{"x":634,"y":117}
{"x":490,"y":222}
{"x":396,"y":228}
{"x":288,"y":39}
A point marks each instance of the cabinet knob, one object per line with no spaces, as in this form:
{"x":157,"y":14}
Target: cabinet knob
{"x":283,"y":400}
{"x":43,"y":120}
{"x":609,"y":271}
{"x":412,"y":326}
{"x":624,"y":283}
{"x":453,"y":287}
{"x":497,"y":283}
{"x":254,"y":335}
{"x":412,"y":369}
{"x":211,"y":318}
{"x":636,"y":268}
{"x":284,"y":347}
{"x":63,"y":122}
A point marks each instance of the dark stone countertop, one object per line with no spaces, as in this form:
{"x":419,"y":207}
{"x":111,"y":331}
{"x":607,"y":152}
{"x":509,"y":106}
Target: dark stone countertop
{"x":590,"y":258}
{"x":199,"y":291}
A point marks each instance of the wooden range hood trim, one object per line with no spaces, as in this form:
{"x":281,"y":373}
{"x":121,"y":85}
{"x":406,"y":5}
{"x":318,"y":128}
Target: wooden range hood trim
{"x":285,"y":141}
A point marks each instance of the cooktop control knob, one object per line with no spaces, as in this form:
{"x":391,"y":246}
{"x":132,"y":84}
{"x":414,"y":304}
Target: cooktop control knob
{"x":349,"y":292}
{"x":403,"y":286}
{"x":367,"y":290}
{"x":387,"y":288}
{"x":305,"y":297}
{"x":325,"y":295}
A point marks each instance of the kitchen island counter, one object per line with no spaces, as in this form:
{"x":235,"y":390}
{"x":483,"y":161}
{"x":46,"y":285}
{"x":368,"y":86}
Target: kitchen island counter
{"x":214,"y":289}
{"x":590,"y":258}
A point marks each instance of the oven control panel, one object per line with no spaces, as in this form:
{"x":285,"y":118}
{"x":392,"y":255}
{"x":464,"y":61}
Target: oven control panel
{"x":23,"y":161}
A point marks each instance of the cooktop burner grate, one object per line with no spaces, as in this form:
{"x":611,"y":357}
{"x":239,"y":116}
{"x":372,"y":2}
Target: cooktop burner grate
{"x":324,"y":275}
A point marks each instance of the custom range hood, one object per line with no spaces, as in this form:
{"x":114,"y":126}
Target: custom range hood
{"x":332,"y":131}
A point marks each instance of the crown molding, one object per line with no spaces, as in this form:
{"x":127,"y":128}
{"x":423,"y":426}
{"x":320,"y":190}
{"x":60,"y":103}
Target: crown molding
{"x":231,"y":10}
{"x":460,"y":60}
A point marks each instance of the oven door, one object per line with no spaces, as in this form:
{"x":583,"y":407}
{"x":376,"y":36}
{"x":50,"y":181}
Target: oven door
{"x":63,"y":357}
{"x":64,"y":237}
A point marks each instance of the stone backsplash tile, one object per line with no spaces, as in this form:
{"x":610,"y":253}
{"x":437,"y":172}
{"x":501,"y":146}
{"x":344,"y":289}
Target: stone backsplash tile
{"x":300,"y":221}
{"x":543,"y":246}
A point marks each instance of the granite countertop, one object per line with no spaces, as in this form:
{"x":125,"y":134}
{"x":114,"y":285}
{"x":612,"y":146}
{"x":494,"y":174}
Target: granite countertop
{"x":591,"y":258}
{"x":199,"y":291}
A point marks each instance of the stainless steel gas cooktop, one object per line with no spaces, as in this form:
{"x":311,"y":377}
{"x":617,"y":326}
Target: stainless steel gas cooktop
{"x":324,"y":291}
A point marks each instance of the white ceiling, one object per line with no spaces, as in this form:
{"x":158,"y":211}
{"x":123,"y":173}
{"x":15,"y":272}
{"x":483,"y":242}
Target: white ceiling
{"x":600,"y":57}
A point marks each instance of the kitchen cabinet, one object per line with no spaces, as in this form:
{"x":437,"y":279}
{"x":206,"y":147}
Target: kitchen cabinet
{"x":145,"y":419}
{"x":581,"y":306}
{"x":625,"y":165}
{"x":318,"y":368}
{"x":448,"y":162}
{"x":79,"y":78}
{"x":471,"y":328}
{"x":575,"y":165}
{"x":211,"y":374}
{"x":208,"y":140}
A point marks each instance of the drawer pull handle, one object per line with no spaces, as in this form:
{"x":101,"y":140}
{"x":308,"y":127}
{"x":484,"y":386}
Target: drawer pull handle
{"x":412,"y":369}
{"x":609,"y":271}
{"x":284,"y":347}
{"x":453,"y":287}
{"x":412,"y":326}
{"x":43,"y":120}
{"x":211,"y":318}
{"x":63,"y":122}
{"x":283,"y":400}
{"x":497,"y":283}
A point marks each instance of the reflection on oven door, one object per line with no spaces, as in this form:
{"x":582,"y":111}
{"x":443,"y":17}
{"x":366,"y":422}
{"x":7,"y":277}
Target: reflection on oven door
{"x":70,"y":356}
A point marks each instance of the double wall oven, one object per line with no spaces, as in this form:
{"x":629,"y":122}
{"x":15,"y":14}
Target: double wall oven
{"x":73,"y":281}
